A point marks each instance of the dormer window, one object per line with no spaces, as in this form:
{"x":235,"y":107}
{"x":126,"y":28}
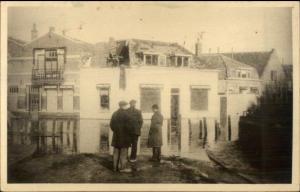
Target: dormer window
{"x":179,"y":61}
{"x":151,"y":59}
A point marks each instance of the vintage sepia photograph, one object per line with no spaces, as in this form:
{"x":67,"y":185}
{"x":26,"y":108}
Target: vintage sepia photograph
{"x":148,"y":92}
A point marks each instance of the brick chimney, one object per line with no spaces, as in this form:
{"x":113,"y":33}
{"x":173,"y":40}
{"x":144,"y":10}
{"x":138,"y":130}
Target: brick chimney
{"x":198,"y":47}
{"x":34,"y":32}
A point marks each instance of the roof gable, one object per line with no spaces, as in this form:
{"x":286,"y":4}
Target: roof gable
{"x":52,"y":39}
{"x":258,"y":60}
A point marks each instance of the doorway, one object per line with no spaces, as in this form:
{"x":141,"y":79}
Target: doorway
{"x":174,"y":128}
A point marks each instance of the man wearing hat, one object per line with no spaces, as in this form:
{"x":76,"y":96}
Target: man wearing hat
{"x":135,"y":124}
{"x":121,"y":139}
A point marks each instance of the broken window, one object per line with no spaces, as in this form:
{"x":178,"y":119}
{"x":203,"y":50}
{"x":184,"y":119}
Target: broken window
{"x":104,"y":98}
{"x":149,"y":97}
{"x":199,"y":99}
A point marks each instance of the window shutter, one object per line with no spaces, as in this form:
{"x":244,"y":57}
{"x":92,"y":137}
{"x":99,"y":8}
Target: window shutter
{"x":76,"y":102}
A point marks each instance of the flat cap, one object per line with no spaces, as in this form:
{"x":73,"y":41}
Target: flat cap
{"x":122,"y":103}
{"x":132,"y":101}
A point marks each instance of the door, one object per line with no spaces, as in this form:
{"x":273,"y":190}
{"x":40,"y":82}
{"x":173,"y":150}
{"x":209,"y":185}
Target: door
{"x":174,"y":128}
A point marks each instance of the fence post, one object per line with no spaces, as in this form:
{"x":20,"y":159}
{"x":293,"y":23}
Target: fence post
{"x":205,"y":132}
{"x":200,"y":127}
{"x":216,"y":130}
{"x":229,"y":128}
{"x":190,"y":131}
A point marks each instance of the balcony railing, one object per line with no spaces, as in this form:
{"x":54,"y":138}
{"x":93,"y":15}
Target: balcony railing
{"x":43,"y":76}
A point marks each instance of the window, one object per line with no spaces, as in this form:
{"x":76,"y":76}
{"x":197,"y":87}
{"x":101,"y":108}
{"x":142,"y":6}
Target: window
{"x":179,"y":61}
{"x":186,"y":61}
{"x":199,"y":99}
{"x":151,"y":59}
{"x":50,"y":59}
{"x":104,"y":98}
{"x":172,"y":60}
{"x":243,"y":90}
{"x":13,"y":89}
{"x":254,"y":90}
{"x":76,"y":102}
{"x":273,"y":75}
{"x":44,"y":102}
{"x":21,"y":102}
{"x":238,"y":73}
{"x":149,"y":97}
{"x":59,"y":102}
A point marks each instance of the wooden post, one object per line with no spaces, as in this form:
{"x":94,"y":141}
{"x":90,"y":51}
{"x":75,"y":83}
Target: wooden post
{"x":216,"y":130}
{"x":61,"y":136}
{"x":53,"y":135}
{"x":229,"y":128}
{"x":205,"y":132}
{"x":200,"y":127}
{"x":75,"y":137}
{"x":190,"y":131}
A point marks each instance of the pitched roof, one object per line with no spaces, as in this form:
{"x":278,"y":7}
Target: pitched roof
{"x":52,"y":39}
{"x":159,"y":47}
{"x":258,"y":60}
{"x":16,"y":41}
{"x":220,"y":62}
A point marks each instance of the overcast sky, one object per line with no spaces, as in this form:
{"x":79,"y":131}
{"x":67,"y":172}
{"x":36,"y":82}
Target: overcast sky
{"x":243,"y":29}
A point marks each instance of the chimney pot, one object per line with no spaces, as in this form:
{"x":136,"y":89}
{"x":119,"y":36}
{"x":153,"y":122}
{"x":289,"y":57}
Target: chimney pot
{"x":34,"y":32}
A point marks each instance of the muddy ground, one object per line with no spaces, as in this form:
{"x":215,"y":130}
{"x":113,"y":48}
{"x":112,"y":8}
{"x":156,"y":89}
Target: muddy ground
{"x":96,"y":168}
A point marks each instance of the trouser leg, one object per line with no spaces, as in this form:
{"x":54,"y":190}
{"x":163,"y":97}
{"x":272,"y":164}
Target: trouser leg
{"x":158,"y":153}
{"x":123,"y":158}
{"x":134,"y":146}
{"x":116,"y":158}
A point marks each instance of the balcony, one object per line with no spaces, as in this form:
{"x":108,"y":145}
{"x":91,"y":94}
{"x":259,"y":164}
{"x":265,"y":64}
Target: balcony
{"x":45,"y":76}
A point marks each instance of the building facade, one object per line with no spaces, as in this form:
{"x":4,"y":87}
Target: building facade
{"x":43,"y":90}
{"x":152,"y":73}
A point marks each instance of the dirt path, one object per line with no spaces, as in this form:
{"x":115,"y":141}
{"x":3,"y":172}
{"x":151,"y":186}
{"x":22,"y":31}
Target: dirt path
{"x":90,"y":168}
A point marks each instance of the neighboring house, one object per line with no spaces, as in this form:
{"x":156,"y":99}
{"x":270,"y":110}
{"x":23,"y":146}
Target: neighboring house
{"x":237,"y":82}
{"x":43,"y":84}
{"x":288,"y":71}
{"x":267,"y":64}
{"x":150,"y":72}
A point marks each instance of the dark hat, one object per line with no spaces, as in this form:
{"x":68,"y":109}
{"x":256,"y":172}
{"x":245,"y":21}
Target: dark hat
{"x":132,"y":101}
{"x":122,"y":103}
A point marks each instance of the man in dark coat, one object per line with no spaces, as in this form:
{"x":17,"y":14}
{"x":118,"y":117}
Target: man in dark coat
{"x":136,"y":122}
{"x":121,"y":139}
{"x":155,"y":133}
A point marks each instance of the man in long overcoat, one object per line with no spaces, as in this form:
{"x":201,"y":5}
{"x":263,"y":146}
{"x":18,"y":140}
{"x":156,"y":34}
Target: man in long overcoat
{"x":136,"y":122}
{"x":121,"y":139}
{"x":155,"y":133}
